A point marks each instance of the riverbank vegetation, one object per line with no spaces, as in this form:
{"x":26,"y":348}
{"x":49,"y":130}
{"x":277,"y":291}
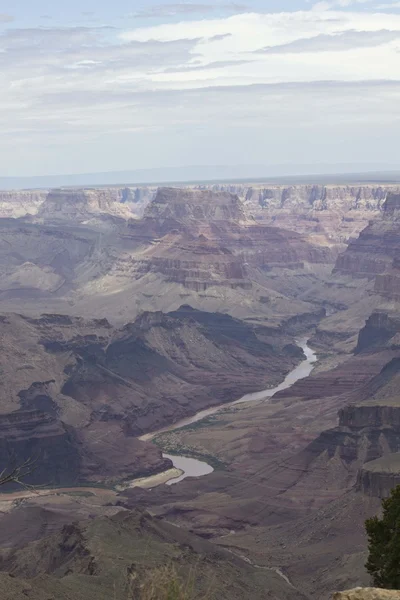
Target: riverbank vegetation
{"x":170,"y":443}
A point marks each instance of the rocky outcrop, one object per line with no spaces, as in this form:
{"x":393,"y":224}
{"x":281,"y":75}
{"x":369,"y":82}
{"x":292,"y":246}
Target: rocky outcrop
{"x":39,"y":259}
{"x":123,"y":202}
{"x":312,"y":203}
{"x":366,"y":280}
{"x":79,"y":561}
{"x":202,"y":240}
{"x":68,"y":383}
{"x":374,"y":255}
{"x":81,"y":254}
{"x":319,"y":197}
{"x":367,"y":594}
{"x":19,"y":203}
{"x":191,"y":206}
{"x":216,"y":359}
{"x":361,"y":417}
{"x":378,"y":477}
{"x":80,"y":206}
{"x":39,"y":436}
{"x":334,"y":213}
{"x":381,"y":330}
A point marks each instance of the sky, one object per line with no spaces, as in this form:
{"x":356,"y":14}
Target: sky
{"x":100,"y":85}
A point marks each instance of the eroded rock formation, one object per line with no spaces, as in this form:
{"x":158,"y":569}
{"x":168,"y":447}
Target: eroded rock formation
{"x":77,"y":393}
{"x":197,"y":247}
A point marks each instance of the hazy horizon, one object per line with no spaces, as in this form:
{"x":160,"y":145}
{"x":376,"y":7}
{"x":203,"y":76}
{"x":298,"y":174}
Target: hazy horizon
{"x":274,"y":174}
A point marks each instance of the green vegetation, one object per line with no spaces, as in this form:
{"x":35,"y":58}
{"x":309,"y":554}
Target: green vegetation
{"x":80,"y":494}
{"x":383,"y":562}
{"x":206,"y":422}
{"x":172,"y":446}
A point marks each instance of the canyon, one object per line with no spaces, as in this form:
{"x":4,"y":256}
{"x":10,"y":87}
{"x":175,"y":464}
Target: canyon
{"x":302,"y":473}
{"x":127,"y":310}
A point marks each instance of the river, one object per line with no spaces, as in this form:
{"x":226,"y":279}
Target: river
{"x":192,"y":467}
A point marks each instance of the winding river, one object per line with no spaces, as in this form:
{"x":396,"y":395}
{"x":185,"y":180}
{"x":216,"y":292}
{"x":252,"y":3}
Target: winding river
{"x":192,"y":467}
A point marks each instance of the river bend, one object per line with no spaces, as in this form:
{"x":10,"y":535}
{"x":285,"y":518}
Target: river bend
{"x":192,"y":467}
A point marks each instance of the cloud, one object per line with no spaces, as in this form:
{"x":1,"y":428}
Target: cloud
{"x":395,"y":5}
{"x":145,"y":93}
{"x":221,"y":64}
{"x":219,"y":37}
{"x":57,"y":55}
{"x":4,"y":18}
{"x":330,"y":4}
{"x":172,"y":10}
{"x":338,"y":42}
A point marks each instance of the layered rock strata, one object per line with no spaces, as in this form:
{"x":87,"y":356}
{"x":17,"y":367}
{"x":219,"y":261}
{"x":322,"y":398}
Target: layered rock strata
{"x":77,"y":393}
{"x":197,"y":247}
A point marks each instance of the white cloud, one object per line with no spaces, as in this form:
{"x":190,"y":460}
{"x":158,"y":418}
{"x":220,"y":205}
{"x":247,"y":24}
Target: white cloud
{"x":323,"y":5}
{"x":173,"y":9}
{"x":390,"y":6}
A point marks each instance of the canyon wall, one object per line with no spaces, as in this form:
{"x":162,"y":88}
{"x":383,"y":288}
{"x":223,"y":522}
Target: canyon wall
{"x":375,"y":253}
{"x":338,"y":212}
{"x":76,"y":204}
{"x":70,"y":383}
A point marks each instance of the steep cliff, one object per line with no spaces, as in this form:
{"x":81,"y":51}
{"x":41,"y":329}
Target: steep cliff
{"x":20,"y":203}
{"x":81,"y":254}
{"x":376,"y":252}
{"x":81,"y":206}
{"x":336,"y":213}
{"x":380,"y":331}
{"x":378,"y":477}
{"x":69,"y":383}
{"x":332,"y":212}
{"x":366,"y":278}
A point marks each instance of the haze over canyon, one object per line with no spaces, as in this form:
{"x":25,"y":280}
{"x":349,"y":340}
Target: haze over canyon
{"x":125,"y":311}
{"x":199,"y":299}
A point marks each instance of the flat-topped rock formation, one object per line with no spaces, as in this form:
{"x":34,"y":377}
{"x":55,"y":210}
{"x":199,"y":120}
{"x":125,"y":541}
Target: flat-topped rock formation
{"x":80,"y":206}
{"x":378,"y":477}
{"x":318,"y":197}
{"x":76,"y":204}
{"x":83,"y":254}
{"x":332,"y":212}
{"x":20,"y":203}
{"x":188,"y":205}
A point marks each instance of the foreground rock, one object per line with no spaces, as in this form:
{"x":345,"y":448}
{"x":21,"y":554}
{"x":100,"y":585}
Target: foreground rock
{"x":367,"y":594}
{"x":115,"y":557}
